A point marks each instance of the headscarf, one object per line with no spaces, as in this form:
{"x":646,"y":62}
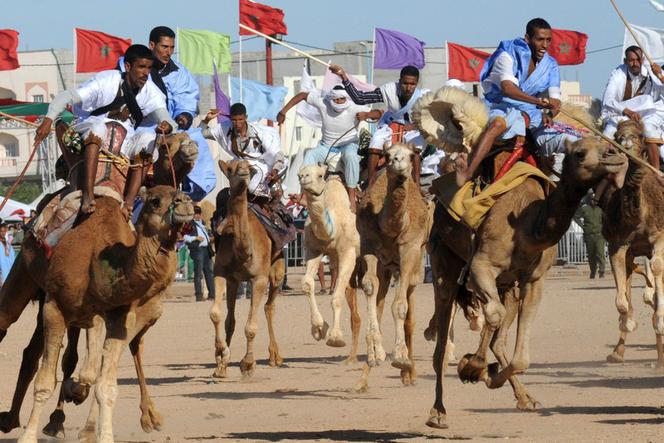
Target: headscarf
{"x":334,"y":94}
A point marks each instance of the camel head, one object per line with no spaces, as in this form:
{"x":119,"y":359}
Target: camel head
{"x":165,"y":211}
{"x":238,"y":173}
{"x":400,"y":159}
{"x":312,"y":178}
{"x":630,"y":135}
{"x":589,"y":160}
{"x":180,"y":145}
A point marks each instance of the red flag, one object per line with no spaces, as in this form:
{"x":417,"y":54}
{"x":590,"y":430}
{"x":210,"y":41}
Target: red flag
{"x":263,"y":18}
{"x":568,"y":47}
{"x":465,"y":63}
{"x":97,"y":51}
{"x":8,"y":45}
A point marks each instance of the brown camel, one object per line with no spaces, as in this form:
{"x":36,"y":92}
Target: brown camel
{"x":633,"y":227}
{"x":330,"y":230}
{"x":514,"y":247}
{"x":394,"y":222}
{"x":244,"y":253}
{"x":87,"y":277}
{"x":26,"y":282}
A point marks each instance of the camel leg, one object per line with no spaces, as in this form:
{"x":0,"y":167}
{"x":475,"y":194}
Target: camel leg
{"x":118,"y":323}
{"x":400,"y":305}
{"x":29,"y":365}
{"x":87,"y":434}
{"x":56,"y":422}
{"x":657,"y":267}
{"x":248,"y":362}
{"x":619,"y":266}
{"x":276,"y":276}
{"x":659,"y":343}
{"x":15,"y":294}
{"x":371,"y":286}
{"x":355,"y":323}
{"x":222,"y":352}
{"x":318,"y":325}
{"x":499,"y":348}
{"x":345,"y":263}
{"x":649,"y":291}
{"x":531,"y":295}
{"x":409,"y":375}
{"x":627,"y":323}
{"x":150,"y":418}
{"x":54,"y":331}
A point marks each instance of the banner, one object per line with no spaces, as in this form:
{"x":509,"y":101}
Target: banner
{"x":97,"y":51}
{"x":200,"y":50}
{"x":394,"y":50}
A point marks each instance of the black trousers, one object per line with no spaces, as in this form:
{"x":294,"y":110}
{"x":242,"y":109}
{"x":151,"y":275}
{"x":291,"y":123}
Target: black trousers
{"x":202,"y":268}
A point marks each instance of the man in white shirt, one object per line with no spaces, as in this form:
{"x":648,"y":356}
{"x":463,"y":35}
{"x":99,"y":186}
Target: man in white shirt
{"x":129,"y":98}
{"x":339,"y":117}
{"x":631,"y":93}
{"x":198,"y":242}
{"x":260,"y":145}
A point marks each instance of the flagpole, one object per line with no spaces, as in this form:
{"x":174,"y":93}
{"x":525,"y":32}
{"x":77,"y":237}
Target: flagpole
{"x":73,"y":77}
{"x":241,"y":88}
{"x":286,"y":45}
{"x":373,"y":56}
{"x":631,"y":31}
{"x":230,"y":89}
{"x":447,"y":60}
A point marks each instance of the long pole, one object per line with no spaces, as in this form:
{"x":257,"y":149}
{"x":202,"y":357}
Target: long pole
{"x":631,"y":31}
{"x":240,"y":76}
{"x":373,"y":56}
{"x":286,"y":45}
{"x":268,"y":67}
{"x":73,"y":77}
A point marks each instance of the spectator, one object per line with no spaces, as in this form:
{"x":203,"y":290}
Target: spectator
{"x":200,"y":250}
{"x":589,"y":217}
{"x":6,"y":254}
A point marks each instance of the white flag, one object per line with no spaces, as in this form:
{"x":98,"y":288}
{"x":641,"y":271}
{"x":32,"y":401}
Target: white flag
{"x":651,"y":40}
{"x":657,"y":5}
{"x":309,"y":113}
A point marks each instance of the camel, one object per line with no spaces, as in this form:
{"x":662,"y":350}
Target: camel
{"x":633,"y":226}
{"x":244,"y":253}
{"x":330,"y":230}
{"x":514,"y":247}
{"x":26,"y":282}
{"x":394,"y":222}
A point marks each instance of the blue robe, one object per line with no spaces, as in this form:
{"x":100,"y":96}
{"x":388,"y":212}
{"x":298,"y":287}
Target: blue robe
{"x":6,"y":262}
{"x":545,"y":75}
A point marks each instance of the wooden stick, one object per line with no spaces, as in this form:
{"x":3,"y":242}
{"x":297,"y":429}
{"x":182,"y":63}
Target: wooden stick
{"x":292,"y":48}
{"x":631,"y":31}
{"x":617,"y":145}
{"x":12,"y":117}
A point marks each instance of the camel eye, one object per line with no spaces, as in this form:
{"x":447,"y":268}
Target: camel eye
{"x":579,"y":155}
{"x":156,"y":202}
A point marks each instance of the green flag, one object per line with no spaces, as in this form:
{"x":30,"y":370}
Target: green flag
{"x":199,"y":50}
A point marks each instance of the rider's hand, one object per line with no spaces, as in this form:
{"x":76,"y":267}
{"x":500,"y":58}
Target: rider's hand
{"x":631,"y":115}
{"x":409,"y":127}
{"x":338,"y":70}
{"x":43,"y":130}
{"x":657,"y":70}
{"x":361,"y":116}
{"x":212,"y":113}
{"x":281,"y":117}
{"x":555,"y":106}
{"x":164,"y":128}
{"x":545,"y":103}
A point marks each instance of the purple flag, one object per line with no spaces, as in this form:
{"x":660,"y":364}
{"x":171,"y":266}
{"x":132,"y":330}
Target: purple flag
{"x":222,"y":102}
{"x":394,"y":50}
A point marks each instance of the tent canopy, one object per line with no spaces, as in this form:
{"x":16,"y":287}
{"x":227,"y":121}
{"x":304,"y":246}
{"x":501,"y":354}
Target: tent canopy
{"x":14,"y":211}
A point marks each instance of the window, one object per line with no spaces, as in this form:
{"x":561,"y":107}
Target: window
{"x":8,"y":146}
{"x":298,"y":133}
{"x":39,"y":98}
{"x":11,"y":150}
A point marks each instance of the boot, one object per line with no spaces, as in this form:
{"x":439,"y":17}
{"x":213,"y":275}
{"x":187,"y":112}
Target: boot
{"x":353,"y":199}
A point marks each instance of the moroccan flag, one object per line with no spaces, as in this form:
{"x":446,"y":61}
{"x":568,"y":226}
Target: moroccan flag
{"x":97,"y":51}
{"x":465,"y":63}
{"x":8,"y":45}
{"x":568,"y":47}
{"x":263,"y":18}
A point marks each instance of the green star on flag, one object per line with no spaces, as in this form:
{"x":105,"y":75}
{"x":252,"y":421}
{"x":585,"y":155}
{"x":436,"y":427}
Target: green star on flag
{"x":474,"y":63}
{"x":564,"y":47}
{"x":105,"y":51}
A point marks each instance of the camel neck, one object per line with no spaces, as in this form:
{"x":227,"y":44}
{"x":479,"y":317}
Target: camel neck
{"x":239,"y":215}
{"x":321,"y":222}
{"x":151,"y":256}
{"x":395,"y":205}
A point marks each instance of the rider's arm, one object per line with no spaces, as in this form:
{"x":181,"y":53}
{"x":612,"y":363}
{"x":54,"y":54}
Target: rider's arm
{"x":297,"y":98}
{"x":60,"y":102}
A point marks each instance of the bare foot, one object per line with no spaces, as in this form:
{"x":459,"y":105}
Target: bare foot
{"x":461,"y":168}
{"x":88,"y":204}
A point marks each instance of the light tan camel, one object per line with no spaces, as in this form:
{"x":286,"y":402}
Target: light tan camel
{"x":514,"y":247}
{"x":394,"y":222}
{"x":633,"y":226}
{"x":330,"y":230}
{"x":87,"y":277}
{"x":244,"y":253}
{"x":26,"y":282}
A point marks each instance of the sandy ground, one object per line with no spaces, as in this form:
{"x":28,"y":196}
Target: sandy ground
{"x":310,"y":398}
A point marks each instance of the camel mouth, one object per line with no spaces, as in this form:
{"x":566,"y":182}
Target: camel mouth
{"x":613,"y":162}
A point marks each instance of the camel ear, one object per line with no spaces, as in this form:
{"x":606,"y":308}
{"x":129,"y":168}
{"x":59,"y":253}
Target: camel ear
{"x":568,"y":145}
{"x":143,"y":193}
{"x":224,"y":168}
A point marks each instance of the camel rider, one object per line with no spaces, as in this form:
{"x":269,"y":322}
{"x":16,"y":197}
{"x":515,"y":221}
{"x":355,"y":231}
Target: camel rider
{"x":260,"y":145}
{"x":129,"y":98}
{"x":339,"y":117}
{"x":182,"y":96}
{"x":631,"y":93}
{"x":515,"y":79}
{"x":399,"y":97}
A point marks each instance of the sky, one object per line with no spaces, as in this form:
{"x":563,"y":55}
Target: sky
{"x":47,"y":24}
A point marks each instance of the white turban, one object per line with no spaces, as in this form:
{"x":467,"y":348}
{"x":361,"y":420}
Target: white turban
{"x":335,"y":94}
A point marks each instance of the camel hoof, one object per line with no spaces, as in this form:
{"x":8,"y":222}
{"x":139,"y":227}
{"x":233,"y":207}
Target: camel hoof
{"x":351,"y":360}
{"x":220,"y":372}
{"x":74,"y":391}
{"x":335,"y":342}
{"x":375,"y":353}
{"x":247,"y":367}
{"x":402,"y":363}
{"x":54,"y":429}
{"x":649,"y":297}
{"x":472,"y":369}
{"x":275,"y":361}
{"x":658,"y":324}
{"x":151,"y":419}
{"x":430,"y":334}
{"x":361,"y":387}
{"x":627,"y":324}
{"x":87,"y":435}
{"x":614,"y":357}
{"x":437,"y":420}
{"x":528,"y":404}
{"x":408,"y":377}
{"x":8,"y":422}
{"x":318,"y":332}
